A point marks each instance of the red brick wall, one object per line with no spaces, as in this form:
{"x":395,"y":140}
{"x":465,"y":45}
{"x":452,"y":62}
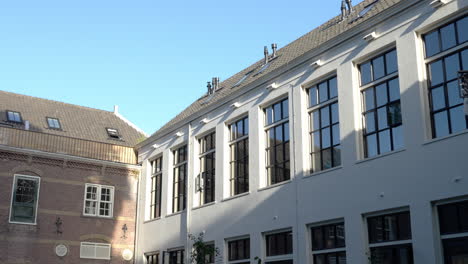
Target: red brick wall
{"x":61,"y":195}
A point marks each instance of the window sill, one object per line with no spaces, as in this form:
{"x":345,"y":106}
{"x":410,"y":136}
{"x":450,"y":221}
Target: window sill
{"x":274,"y":185}
{"x":176,"y":213}
{"x":235,"y":196}
{"x":323,"y":172}
{"x":98,"y":217}
{"x":381,"y":155}
{"x":151,"y":220}
{"x":22,"y":223}
{"x":446,"y":137}
{"x":203,"y":205}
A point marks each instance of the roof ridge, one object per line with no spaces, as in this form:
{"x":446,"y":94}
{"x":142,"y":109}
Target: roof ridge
{"x":55,"y":101}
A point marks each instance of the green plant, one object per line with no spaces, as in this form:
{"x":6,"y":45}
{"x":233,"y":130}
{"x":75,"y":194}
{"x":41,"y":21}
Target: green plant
{"x":201,"y":251}
{"x":259,"y":260}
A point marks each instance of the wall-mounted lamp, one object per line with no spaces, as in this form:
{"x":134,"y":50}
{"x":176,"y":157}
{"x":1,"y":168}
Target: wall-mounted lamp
{"x":58,"y":225}
{"x":438,"y":3}
{"x":204,"y":121}
{"x":179,"y":134}
{"x":370,"y":37}
{"x":272,"y":86}
{"x":316,"y":64}
{"x":236,"y":105}
{"x":124,"y":230}
{"x":155,"y":146}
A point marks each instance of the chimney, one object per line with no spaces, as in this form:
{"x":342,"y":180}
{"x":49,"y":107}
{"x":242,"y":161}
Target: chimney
{"x":215,"y":82}
{"x":116,"y":109}
{"x":274,"y":46}
{"x":26,"y":125}
{"x":350,"y":6}
{"x":343,"y":9}
{"x":265,"y":51}
{"x":209,"y":87}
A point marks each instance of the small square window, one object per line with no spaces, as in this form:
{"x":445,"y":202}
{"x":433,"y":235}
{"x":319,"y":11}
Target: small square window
{"x":13,"y":116}
{"x":113,"y":133}
{"x":53,"y":123}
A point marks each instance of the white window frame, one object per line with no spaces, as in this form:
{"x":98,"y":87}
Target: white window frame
{"x":15,"y":177}
{"x":95,"y":246}
{"x":312,"y":252}
{"x":98,"y":200}
{"x":227,"y":241}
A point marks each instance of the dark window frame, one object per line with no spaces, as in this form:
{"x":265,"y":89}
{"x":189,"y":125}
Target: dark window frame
{"x":459,"y":226}
{"x":179,"y":182}
{"x":277,"y":238}
{"x":53,"y":127}
{"x":373,"y":85}
{"x":335,"y":158}
{"x":173,"y":256}
{"x":7,"y":112}
{"x":152,"y":258}
{"x":239,"y":183}
{"x":382,"y":227}
{"x":14,"y":203}
{"x":395,"y":253}
{"x":323,"y":251}
{"x":277,"y":171}
{"x":207,"y":145}
{"x":156,"y":187}
{"x":441,"y":56}
{"x":113,"y":135}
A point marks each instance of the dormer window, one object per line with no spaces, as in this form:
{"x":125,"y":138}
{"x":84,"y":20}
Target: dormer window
{"x":53,"y":123}
{"x":113,"y":133}
{"x":13,"y":116}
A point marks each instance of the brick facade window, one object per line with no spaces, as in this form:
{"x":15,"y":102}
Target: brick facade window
{"x":98,"y":200}
{"x":25,"y":195}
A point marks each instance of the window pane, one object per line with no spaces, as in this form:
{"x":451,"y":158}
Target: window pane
{"x":397,"y":134}
{"x":335,"y":114}
{"x":316,"y":162}
{"x":326,"y":159}
{"x":326,"y":140}
{"x":448,"y":36}
{"x":336,"y":134}
{"x":448,"y":218}
{"x":436,"y":72}
{"x":317,"y":238}
{"x":384,"y":140}
{"x":441,"y":124}
{"x":457,"y":119}
{"x":269,"y":115}
{"x":313,"y":96}
{"x":463,"y":213}
{"x":365,"y":70}
{"x":316,"y":141}
{"x":394,"y":89}
{"x":320,"y":259}
{"x":464,"y":55}
{"x":452,"y":66}
{"x":404,"y":226}
{"x":330,"y":236}
{"x":337,"y":156}
{"x":382,"y":118}
{"x":340,"y":235}
{"x":325,"y":116}
{"x":370,"y":122}
{"x":378,"y":67}
{"x":456,"y":250}
{"x":285,"y":109}
{"x":278,"y":135}
{"x":394,"y":114}
{"x":375,"y":226}
{"x":277,"y":112}
{"x":462,"y":29}
{"x":315,"y":122}
{"x":391,"y":62}
{"x":286,"y":131}
{"x":438,"y":98}
{"x":368,"y":99}
{"x":381,"y":94}
{"x":333,"y":87}
{"x":371,"y":144}
{"x":323,"y":92}
{"x":454,"y":93}
{"x":431,"y":42}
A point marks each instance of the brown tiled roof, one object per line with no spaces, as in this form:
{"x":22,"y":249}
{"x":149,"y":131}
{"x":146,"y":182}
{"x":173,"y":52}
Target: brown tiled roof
{"x":286,"y":55}
{"x":76,"y":121}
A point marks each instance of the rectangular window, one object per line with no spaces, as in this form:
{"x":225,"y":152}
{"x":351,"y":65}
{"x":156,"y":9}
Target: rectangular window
{"x":152,"y":258}
{"x":325,"y":150}
{"x":99,"y":200}
{"x":53,"y":123}
{"x":390,"y":238}
{"x":156,"y":188}
{"x":445,"y":56}
{"x":176,"y":256}
{"x":179,"y":181}
{"x":90,"y":250}
{"x":113,"y":133}
{"x":453,"y":225}
{"x":239,"y":251}
{"x":206,"y":178}
{"x":13,"y":116}
{"x":277,"y":142}
{"x":239,"y":163}
{"x":328,"y":244}
{"x":25,"y":196}
{"x":381,"y":108}
{"x":280,"y":247}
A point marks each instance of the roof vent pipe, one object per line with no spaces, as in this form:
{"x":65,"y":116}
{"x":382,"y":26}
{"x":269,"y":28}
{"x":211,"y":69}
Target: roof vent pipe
{"x":26,"y":125}
{"x":265,"y":51}
{"x":209,"y":87}
{"x":350,"y":6}
{"x":343,"y":9}
{"x":274,"y":46}
{"x":215,"y":83}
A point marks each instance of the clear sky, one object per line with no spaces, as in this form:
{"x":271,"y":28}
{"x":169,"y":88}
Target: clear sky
{"x":152,"y":58}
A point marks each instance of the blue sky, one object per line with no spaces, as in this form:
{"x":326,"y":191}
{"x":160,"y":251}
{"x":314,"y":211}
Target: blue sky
{"x":152,"y":58}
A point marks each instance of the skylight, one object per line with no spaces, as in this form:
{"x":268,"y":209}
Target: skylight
{"x":264,"y":67}
{"x":243,"y":78}
{"x":13,"y":116}
{"x":53,"y":123}
{"x":113,"y":133}
{"x":364,"y":11}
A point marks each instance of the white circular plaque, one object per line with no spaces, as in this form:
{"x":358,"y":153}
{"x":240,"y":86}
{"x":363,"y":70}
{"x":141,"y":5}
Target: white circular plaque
{"x":61,"y":250}
{"x":127,"y":254}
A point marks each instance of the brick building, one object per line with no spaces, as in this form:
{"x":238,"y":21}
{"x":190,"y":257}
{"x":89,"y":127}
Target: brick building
{"x":68,"y":182}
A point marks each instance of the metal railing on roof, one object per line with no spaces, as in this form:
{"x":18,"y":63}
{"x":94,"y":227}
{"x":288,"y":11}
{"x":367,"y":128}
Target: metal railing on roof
{"x":26,"y":139}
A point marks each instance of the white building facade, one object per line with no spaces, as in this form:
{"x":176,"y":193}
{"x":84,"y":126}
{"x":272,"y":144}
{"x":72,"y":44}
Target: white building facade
{"x":354,"y":152}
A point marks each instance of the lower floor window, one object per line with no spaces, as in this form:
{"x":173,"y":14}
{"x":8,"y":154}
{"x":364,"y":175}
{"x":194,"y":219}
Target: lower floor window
{"x":279,"y":248}
{"x":289,"y":261}
{"x":239,"y":250}
{"x":176,"y":256}
{"x":89,"y":250}
{"x":152,"y":258}
{"x":397,"y":254}
{"x":455,"y":250}
{"x":330,"y":258}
